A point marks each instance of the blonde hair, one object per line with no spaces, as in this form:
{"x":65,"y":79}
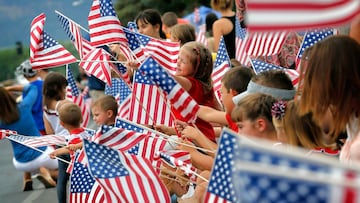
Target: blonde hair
{"x":106,"y":102}
{"x":183,"y":32}
{"x":70,"y":114}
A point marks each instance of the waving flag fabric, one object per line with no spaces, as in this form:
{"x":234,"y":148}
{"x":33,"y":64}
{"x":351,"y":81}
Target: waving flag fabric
{"x":45,"y":52}
{"x":135,"y":45}
{"x":221,"y":65}
{"x":265,"y":15}
{"x":83,"y":187}
{"x":164,"y":52}
{"x":265,"y":43}
{"x":96,"y":63}
{"x":132,"y":26}
{"x":39,"y":141}
{"x":4,"y":133}
{"x":122,"y":93}
{"x":201,"y":35}
{"x":180,"y":100}
{"x":124,"y":177}
{"x":117,"y":138}
{"x":73,"y":32}
{"x":240,"y":43}
{"x":105,"y":27}
{"x":311,"y":38}
{"x":260,"y":66}
{"x":148,"y":106}
{"x":73,"y":94}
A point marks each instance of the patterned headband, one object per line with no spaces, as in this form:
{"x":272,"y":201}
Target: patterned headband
{"x":278,"y":109}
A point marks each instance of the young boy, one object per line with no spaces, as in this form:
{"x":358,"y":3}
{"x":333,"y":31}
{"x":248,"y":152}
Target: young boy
{"x":70,"y":118}
{"x":104,"y":110}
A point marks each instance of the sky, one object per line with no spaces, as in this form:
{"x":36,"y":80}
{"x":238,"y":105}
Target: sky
{"x":16,"y":17}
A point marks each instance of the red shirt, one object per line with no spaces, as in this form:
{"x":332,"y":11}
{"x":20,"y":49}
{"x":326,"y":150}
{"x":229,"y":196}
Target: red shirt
{"x":76,"y":132}
{"x":231,"y":124}
{"x":197,"y":93}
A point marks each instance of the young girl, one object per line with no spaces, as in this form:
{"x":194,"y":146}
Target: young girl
{"x":182,"y":33}
{"x":149,"y":23}
{"x":253,"y":116}
{"x":18,"y":117}
{"x":54,"y":92}
{"x":225,"y":26}
{"x":331,"y":82}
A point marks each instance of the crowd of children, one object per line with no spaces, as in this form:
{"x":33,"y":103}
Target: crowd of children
{"x":263,"y":105}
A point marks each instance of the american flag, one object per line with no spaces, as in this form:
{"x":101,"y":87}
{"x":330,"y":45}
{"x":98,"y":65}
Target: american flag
{"x":265,"y":43}
{"x":123,"y":73}
{"x":132,"y":26}
{"x":180,"y":100}
{"x":83,"y":187}
{"x":164,"y":52}
{"x":240,"y":43}
{"x":147,"y":147}
{"x":38,"y":141}
{"x":105,"y":27}
{"x":201,"y":35}
{"x":45,"y":52}
{"x":96,"y":63}
{"x":221,"y":65}
{"x":264,"y":173}
{"x":4,"y":133}
{"x":122,"y":93}
{"x":260,"y":66}
{"x":124,"y":177}
{"x":73,"y":94}
{"x":72,"y":30}
{"x":311,"y":38}
{"x":135,"y":45}
{"x":117,"y":138}
{"x":178,"y":159}
{"x":265,"y":15}
{"x":148,"y":105}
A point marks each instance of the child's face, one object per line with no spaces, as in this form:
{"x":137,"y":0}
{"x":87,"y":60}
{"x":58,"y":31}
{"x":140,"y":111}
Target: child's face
{"x":226,"y":97}
{"x":100,"y":116}
{"x":184,"y":66}
{"x":247,"y":127}
{"x":148,"y":29}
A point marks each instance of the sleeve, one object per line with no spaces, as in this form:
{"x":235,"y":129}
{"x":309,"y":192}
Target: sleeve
{"x":31,"y":95}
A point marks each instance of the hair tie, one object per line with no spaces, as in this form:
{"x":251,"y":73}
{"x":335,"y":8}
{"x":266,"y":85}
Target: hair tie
{"x":278,"y":109}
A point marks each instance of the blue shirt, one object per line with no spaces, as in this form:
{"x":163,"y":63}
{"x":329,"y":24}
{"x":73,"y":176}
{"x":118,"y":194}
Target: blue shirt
{"x":25,"y":126}
{"x":37,"y":108}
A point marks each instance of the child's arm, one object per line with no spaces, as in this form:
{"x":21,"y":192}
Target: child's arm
{"x":212,"y":115}
{"x":165,"y":129}
{"x":58,"y":152}
{"x":74,"y":147}
{"x":199,"y":160}
{"x":199,"y":138}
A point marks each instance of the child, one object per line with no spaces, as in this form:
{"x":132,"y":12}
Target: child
{"x":233,"y":83}
{"x":253,"y":116}
{"x":54,"y":92}
{"x":183,"y":33}
{"x":330,"y":82}
{"x":70,"y":118}
{"x":104,"y":110}
{"x":149,"y":23}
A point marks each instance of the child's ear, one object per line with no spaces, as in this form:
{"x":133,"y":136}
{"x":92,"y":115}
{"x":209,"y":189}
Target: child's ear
{"x":109,"y":113}
{"x":233,"y":92}
{"x":261,"y":124}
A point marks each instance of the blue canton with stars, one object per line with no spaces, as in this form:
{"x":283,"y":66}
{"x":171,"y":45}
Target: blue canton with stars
{"x":107,"y":8}
{"x":157,"y":74}
{"x":254,"y":187}
{"x":81,"y":179}
{"x":312,"y":38}
{"x":104,"y":162}
{"x":239,"y":31}
{"x":261,"y":66}
{"x":222,"y":54}
{"x":132,"y":40}
{"x":132,"y":26}
{"x":65,"y":24}
{"x":105,"y":128}
{"x":143,"y":39}
{"x":71,"y":82}
{"x":142,"y":79}
{"x":118,"y":87}
{"x":48,"y":41}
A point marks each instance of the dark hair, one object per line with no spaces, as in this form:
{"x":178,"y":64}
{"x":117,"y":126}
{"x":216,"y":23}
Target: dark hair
{"x":209,"y":21}
{"x":53,"y":86}
{"x":8,"y":107}
{"x":274,"y":78}
{"x":153,"y":17}
{"x":237,"y":78}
